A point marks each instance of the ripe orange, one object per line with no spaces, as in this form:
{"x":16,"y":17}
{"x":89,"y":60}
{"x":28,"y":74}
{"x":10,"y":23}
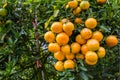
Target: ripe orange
{"x":79,"y":56}
{"x":49,"y":36}
{"x":101,"y":52}
{"x":93,"y":44}
{"x":62,"y":38}
{"x":77,"y":11}
{"x":70,"y":56}
{"x":56,"y":27}
{"x":78,"y":21}
{"x":73,"y":4}
{"x":84,"y":49}
{"x":65,"y":49}
{"x":84,"y":5}
{"x":86,"y":33}
{"x":91,"y":56}
{"x":101,"y":1}
{"x":69,"y":26}
{"x":3,"y":12}
{"x":75,"y":47}
{"x":111,"y":40}
{"x":53,"y":47}
{"x":69,"y":33}
{"x":64,"y":20}
{"x":79,"y":39}
{"x":59,"y":66}
{"x":91,"y":23}
{"x":59,"y":55}
{"x":97,"y":35}
{"x":69,"y":64}
{"x":90,"y":63}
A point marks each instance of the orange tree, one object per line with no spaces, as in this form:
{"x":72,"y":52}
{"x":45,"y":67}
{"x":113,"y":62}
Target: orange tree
{"x":23,"y":50}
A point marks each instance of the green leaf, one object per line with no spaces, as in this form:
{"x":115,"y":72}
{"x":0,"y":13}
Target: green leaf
{"x":71,"y":78}
{"x":90,"y":76}
{"x":56,"y":13}
{"x":61,"y":73}
{"x":81,"y":62}
{"x":48,"y":21}
{"x":84,"y":76}
{"x":83,"y":68}
{"x":32,"y":0}
{"x":3,"y":36}
{"x":1,"y":72}
{"x":10,"y":41}
{"x":105,"y":28}
{"x":108,"y":75}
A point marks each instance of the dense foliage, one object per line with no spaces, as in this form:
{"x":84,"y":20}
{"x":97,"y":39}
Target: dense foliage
{"x":24,"y":55}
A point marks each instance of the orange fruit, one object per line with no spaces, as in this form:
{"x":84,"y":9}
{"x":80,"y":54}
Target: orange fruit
{"x":49,"y":36}
{"x":53,"y":47}
{"x":93,"y":44}
{"x":64,"y":20}
{"x":76,"y":11}
{"x":78,"y":21}
{"x":79,"y":56}
{"x":62,"y":38}
{"x":59,"y":66}
{"x":97,"y":35}
{"x":91,"y":56}
{"x":3,"y":12}
{"x":73,"y":4}
{"x":111,"y":40}
{"x":91,"y":23}
{"x":84,"y":5}
{"x":69,"y":33}
{"x":90,"y":63}
{"x":56,"y":27}
{"x":101,"y":1}
{"x":70,"y":56}
{"x":84,"y":49}
{"x":59,"y":55}
{"x":69,"y":64}
{"x":65,"y":49}
{"x":101,"y":52}
{"x":86,"y":33}
{"x":79,"y":39}
{"x":75,"y":47}
{"x":69,"y":26}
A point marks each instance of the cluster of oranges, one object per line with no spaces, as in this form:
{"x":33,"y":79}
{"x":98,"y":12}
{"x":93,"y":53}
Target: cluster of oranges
{"x":86,"y":45}
{"x":58,"y":39}
{"x":78,"y":6}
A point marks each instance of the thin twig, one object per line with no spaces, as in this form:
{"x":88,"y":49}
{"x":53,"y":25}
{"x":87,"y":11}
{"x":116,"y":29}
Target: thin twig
{"x":36,"y":32}
{"x":38,"y":62}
